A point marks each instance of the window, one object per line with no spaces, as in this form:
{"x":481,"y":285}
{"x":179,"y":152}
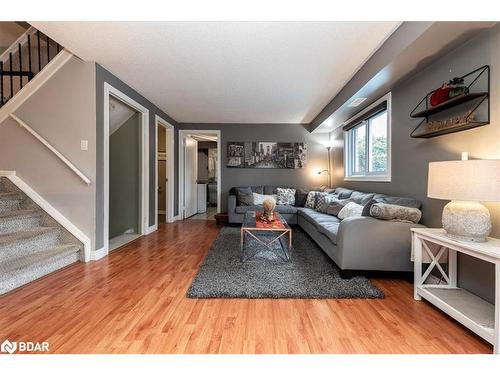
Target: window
{"x":367,"y":140}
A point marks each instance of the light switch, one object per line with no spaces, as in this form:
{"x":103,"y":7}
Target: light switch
{"x":84,"y":145}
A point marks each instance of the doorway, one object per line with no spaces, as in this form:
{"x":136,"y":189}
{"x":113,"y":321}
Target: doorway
{"x":125,"y":169}
{"x":199,"y":174}
{"x":164,"y":172}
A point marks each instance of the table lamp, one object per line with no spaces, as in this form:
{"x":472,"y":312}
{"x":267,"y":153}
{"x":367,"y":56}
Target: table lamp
{"x":465,"y":183}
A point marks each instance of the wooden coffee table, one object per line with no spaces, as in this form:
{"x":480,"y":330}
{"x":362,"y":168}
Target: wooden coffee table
{"x":275,"y":237}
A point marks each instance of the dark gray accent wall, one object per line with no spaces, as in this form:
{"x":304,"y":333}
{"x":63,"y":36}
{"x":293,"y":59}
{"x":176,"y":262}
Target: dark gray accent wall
{"x":304,"y":177}
{"x":410,"y":157}
{"x":102,"y":75}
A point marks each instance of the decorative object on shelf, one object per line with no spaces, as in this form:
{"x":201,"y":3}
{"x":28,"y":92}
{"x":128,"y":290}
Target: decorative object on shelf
{"x":453,"y":95}
{"x":466,"y":183}
{"x":268,"y":205}
{"x":449,"y":90}
{"x":266,"y":155}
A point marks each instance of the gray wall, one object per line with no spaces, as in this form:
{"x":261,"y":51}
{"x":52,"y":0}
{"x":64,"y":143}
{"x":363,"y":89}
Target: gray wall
{"x":410,"y":157}
{"x":102,"y":76}
{"x":305,"y":177}
{"x":124,"y":175}
{"x":63,"y":112}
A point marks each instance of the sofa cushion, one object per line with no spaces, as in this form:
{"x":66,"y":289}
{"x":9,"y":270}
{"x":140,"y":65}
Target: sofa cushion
{"x":336,"y":205}
{"x":268,"y":190}
{"x":258,"y":199}
{"x":301,"y":197}
{"x":244,"y":196}
{"x":351,"y":209}
{"x":282,"y":209}
{"x":399,"y":201}
{"x":316,"y":218}
{"x":311,"y":199}
{"x":394,"y":212}
{"x":343,"y":193}
{"x":330,"y":230}
{"x":322,"y":201}
{"x":285,"y":196}
{"x":361,"y":198}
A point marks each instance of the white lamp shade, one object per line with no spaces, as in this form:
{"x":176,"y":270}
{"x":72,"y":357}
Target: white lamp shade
{"x":465,"y":180}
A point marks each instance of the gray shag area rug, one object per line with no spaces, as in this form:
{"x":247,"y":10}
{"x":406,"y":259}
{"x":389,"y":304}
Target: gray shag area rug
{"x":309,"y":274}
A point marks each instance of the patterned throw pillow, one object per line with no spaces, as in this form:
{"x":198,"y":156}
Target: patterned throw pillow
{"x":336,"y":205}
{"x":311,"y":199}
{"x":322,"y":202}
{"x":351,"y":209}
{"x":286,"y":196}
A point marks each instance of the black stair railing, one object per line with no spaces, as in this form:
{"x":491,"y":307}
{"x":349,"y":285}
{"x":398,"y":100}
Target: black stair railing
{"x":14,"y":73}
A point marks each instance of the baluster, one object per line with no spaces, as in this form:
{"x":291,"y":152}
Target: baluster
{"x":1,"y":83}
{"x":20,"y":66}
{"x":48,"y":49}
{"x":11,"y":76}
{"x":39,"y":52}
{"x":29,"y":58}
{"x":58,"y":47}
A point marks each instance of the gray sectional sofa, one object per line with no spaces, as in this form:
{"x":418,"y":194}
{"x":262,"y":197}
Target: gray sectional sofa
{"x":354,"y":244}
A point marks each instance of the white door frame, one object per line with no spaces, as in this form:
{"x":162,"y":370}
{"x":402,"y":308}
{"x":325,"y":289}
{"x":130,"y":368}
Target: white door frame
{"x":144,"y":211}
{"x":182,"y":135}
{"x":169,"y":129}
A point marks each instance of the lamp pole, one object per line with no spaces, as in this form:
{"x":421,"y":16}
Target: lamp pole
{"x":329,"y":167}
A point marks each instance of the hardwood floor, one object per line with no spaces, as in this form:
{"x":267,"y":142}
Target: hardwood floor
{"x":134,"y":302}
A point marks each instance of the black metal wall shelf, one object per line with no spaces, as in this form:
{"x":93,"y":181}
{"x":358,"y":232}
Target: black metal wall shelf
{"x":480,"y":97}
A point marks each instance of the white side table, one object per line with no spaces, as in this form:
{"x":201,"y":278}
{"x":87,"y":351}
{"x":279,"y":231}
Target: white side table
{"x":480,"y":316}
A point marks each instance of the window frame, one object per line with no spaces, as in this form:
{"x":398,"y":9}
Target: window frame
{"x":350,"y":149}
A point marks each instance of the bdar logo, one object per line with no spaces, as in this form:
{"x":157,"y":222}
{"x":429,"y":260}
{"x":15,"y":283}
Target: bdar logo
{"x":8,"y":347}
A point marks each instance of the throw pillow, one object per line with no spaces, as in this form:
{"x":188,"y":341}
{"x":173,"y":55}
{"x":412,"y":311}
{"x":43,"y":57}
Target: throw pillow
{"x":351,"y":209}
{"x":311,"y":199}
{"x":285,"y":196}
{"x":366,"y":207}
{"x":394,"y":212}
{"x":244,"y":196}
{"x":301,"y":197}
{"x":259,"y":198}
{"x":336,"y":205}
{"x":322,"y":202}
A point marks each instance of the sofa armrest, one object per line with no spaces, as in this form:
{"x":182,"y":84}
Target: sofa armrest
{"x":373,"y":244}
{"x":231,"y":209}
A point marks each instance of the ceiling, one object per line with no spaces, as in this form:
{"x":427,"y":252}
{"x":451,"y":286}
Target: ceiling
{"x":228,"y":72}
{"x":119,"y":113}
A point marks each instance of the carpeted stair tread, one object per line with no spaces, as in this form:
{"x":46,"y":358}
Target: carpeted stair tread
{"x":19,"y":214}
{"x":10,"y":196}
{"x":25,"y":235}
{"x":10,"y":268}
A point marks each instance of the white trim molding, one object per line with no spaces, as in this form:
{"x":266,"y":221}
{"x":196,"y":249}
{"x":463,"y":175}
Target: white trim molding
{"x":50,"y":210}
{"x":69,"y":164}
{"x":98,"y":254}
{"x":348,"y":161}
{"x":109,"y":90}
{"x":170,"y":169}
{"x":182,"y":134}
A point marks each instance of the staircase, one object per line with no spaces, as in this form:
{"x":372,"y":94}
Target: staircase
{"x":32,"y":243}
{"x":23,"y":60}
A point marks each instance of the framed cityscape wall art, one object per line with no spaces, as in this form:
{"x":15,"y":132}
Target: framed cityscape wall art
{"x":266,"y":155}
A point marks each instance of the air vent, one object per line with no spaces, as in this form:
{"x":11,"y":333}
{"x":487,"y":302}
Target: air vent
{"x":356,"y":102}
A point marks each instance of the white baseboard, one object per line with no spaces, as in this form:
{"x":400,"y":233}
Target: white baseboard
{"x":152,"y":228}
{"x":98,"y":254}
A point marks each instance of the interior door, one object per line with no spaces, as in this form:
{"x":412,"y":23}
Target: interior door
{"x":190,"y":177}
